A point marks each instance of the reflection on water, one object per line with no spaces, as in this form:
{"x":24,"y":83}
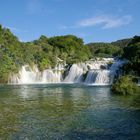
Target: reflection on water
{"x":67,"y":112}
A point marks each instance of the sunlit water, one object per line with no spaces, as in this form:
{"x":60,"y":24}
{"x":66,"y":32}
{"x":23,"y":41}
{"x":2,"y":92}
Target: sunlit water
{"x":67,"y":112}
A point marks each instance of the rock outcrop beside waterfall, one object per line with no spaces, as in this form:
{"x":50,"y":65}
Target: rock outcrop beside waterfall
{"x":100,"y":72}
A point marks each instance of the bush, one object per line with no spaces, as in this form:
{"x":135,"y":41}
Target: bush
{"x":125,"y":86}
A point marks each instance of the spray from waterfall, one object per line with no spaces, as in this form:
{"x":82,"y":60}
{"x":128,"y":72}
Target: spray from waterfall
{"x":99,"y":72}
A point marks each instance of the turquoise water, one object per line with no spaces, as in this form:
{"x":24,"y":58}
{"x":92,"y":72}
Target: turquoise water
{"x":67,"y":112}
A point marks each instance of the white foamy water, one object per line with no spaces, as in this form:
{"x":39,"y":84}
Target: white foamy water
{"x":92,"y":72}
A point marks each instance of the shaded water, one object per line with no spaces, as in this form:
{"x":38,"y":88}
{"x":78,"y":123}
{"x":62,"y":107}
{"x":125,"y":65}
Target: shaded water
{"x":67,"y":112}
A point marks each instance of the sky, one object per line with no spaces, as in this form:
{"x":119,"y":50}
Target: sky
{"x":92,"y":20}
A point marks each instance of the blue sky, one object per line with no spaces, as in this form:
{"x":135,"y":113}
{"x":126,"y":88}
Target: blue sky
{"x":92,"y":20}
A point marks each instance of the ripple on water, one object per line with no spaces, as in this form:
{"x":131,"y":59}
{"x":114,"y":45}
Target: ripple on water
{"x":67,"y":112}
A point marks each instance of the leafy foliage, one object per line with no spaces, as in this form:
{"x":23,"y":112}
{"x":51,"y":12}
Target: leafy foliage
{"x":125,"y":85}
{"x":105,"y":49}
{"x":10,"y":53}
{"x":70,"y":48}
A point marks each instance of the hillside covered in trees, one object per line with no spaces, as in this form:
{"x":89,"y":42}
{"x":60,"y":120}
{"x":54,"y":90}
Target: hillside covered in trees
{"x":45,"y":52}
{"x":101,"y":49}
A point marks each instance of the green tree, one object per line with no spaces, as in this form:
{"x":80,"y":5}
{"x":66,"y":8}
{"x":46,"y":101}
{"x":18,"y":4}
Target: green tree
{"x":125,"y":85}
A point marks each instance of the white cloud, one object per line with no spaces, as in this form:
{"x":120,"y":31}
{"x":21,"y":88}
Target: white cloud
{"x":105,"y":21}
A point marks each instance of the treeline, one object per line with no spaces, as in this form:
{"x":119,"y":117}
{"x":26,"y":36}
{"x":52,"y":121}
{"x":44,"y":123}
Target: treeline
{"x":122,"y":43}
{"x":113,"y":49}
{"x":102,"y":49}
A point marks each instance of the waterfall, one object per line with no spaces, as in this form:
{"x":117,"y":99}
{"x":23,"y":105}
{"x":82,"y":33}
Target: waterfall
{"x":28,"y":75}
{"x":94,"y":72}
{"x":50,"y":76}
{"x":103,"y":77}
{"x":75,"y":73}
{"x":90,"y":77}
{"x":98,"y":77}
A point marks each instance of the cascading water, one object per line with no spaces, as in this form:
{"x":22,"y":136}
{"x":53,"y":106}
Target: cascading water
{"x":28,"y":75}
{"x":90,"y":77}
{"x":99,"y":72}
{"x":75,"y":73}
{"x":50,"y":76}
{"x":103,"y":77}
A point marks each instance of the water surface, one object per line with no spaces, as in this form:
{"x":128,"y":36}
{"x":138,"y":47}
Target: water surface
{"x":67,"y":112}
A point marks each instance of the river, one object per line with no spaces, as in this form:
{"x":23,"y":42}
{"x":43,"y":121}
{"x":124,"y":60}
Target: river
{"x":67,"y":112}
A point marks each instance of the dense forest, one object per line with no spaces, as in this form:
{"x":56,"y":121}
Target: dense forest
{"x":101,"y":49}
{"x":45,"y":52}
